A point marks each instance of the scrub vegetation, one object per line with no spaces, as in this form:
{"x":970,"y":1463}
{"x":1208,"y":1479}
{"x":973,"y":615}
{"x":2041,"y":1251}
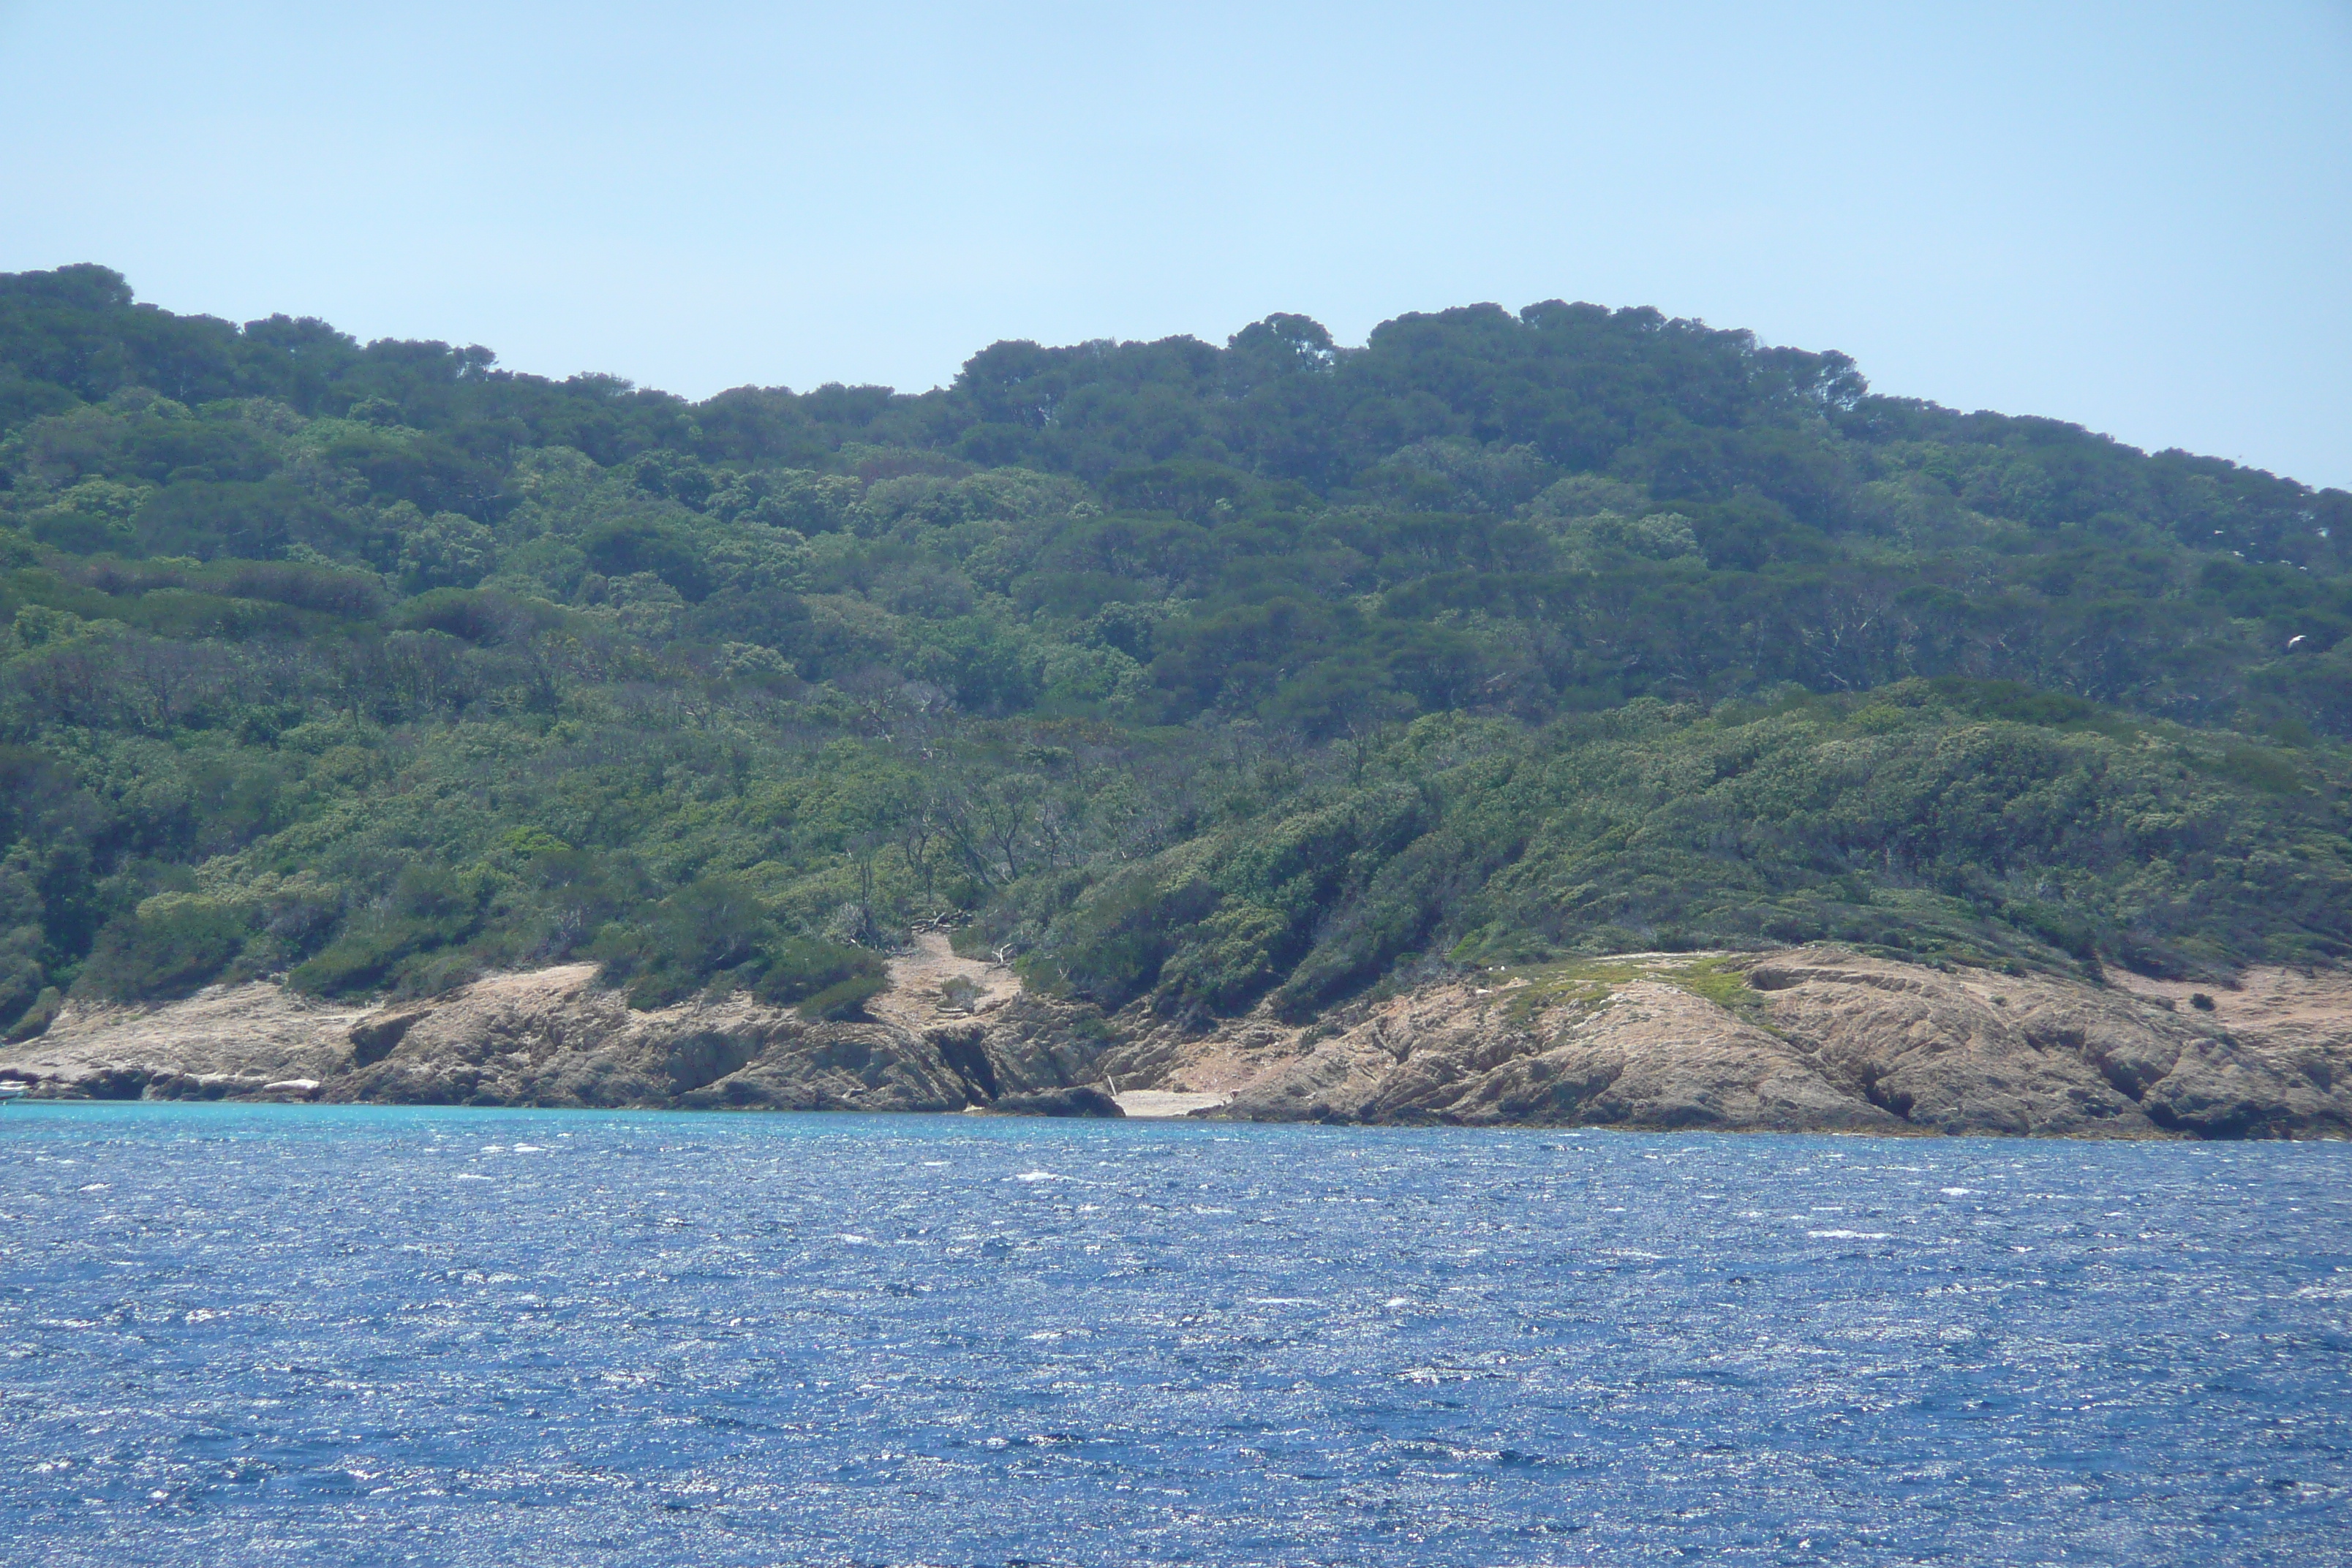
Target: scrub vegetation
{"x":1190,"y":675}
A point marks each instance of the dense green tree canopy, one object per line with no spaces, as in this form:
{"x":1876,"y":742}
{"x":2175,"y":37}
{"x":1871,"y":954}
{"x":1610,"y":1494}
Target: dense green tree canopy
{"x":1196,"y":674}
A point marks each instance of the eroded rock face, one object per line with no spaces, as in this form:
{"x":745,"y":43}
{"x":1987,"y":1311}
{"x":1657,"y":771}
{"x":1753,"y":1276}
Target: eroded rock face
{"x":1821,"y":1041}
{"x":556,"y":1038}
{"x":1651,"y":1056}
{"x":1806,"y":1040}
{"x":1082,"y":1100}
{"x":231,"y":1042}
{"x":1972,"y":1051}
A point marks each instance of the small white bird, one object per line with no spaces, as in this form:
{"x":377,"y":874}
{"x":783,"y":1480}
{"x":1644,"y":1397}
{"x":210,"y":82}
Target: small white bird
{"x":2294,"y":639}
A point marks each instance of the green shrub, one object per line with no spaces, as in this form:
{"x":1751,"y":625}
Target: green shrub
{"x":711,"y":925}
{"x":431,"y":907}
{"x":621,"y":548}
{"x":715,"y":929}
{"x":842,"y":1003}
{"x":479,"y":616}
{"x":359,"y":961}
{"x":810,"y":969}
{"x":83,"y":533}
{"x":1226,"y":961}
{"x":35,"y":1020}
{"x":1120,"y":937}
{"x":172,"y":946}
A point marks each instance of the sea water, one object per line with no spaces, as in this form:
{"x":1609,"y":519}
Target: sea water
{"x":357,"y":1336}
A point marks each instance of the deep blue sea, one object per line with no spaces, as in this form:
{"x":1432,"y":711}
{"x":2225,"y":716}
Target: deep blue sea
{"x":283,"y":1335}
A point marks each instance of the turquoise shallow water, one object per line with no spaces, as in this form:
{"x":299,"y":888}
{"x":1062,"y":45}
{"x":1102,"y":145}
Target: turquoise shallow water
{"x":292,"y":1335}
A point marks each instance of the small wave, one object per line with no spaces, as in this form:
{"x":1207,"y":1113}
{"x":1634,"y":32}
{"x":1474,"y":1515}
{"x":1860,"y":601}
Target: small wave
{"x":1036,"y":1176}
{"x":1959,"y":1192}
{"x":470,"y":1177}
{"x":1850,"y":1235}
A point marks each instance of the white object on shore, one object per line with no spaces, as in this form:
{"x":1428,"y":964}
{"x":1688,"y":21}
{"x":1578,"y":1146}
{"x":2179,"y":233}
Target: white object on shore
{"x":12,"y":1090}
{"x":1142,"y":1104}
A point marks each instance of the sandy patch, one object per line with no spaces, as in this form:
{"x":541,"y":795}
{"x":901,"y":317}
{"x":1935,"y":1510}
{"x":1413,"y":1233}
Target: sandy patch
{"x":919,"y":995}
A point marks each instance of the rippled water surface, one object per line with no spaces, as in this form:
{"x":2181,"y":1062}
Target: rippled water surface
{"x":287,"y":1335}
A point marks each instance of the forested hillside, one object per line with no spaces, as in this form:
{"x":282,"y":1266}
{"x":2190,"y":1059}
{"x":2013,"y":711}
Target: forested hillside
{"x":1194,"y":674}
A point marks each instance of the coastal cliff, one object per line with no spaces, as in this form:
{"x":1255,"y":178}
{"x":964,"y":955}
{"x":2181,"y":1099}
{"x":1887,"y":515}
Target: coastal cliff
{"x":1813,"y":1039}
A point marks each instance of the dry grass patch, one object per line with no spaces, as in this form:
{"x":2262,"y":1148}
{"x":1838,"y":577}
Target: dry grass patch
{"x":1586,"y":984}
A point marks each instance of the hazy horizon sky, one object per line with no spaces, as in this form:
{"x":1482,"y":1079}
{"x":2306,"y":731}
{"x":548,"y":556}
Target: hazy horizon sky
{"x":2134,"y":216}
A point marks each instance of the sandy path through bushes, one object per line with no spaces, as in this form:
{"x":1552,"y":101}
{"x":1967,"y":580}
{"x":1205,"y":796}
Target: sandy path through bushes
{"x":913,"y":1000}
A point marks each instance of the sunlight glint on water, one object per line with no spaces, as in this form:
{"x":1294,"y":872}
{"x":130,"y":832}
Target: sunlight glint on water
{"x":387,"y":1336}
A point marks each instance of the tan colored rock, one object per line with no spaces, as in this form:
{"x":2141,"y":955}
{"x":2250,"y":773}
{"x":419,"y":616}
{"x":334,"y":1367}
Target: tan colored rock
{"x":1940,"y":1053}
{"x":224,"y":1041}
{"x":1975,"y":1051}
{"x":1650,"y":1055}
{"x":556,"y":1038}
{"x":1830,"y":1041}
{"x":1814,"y":1039}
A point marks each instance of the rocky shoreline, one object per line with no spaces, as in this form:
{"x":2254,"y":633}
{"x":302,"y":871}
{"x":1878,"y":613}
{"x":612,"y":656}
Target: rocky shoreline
{"x":1807,"y":1040}
{"x":1804,"y":1040}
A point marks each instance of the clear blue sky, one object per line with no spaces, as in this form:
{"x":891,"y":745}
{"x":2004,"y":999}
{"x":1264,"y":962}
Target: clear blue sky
{"x":2137,"y":216}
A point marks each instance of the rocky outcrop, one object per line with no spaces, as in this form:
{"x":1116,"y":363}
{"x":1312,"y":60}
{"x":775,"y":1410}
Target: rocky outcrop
{"x":1080,"y":1100}
{"x":1806,"y":1040}
{"x":1649,"y":1054}
{"x":1973,"y":1051}
{"x":229,"y":1042}
{"x":1810,"y":1040}
{"x":556,"y":1038}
